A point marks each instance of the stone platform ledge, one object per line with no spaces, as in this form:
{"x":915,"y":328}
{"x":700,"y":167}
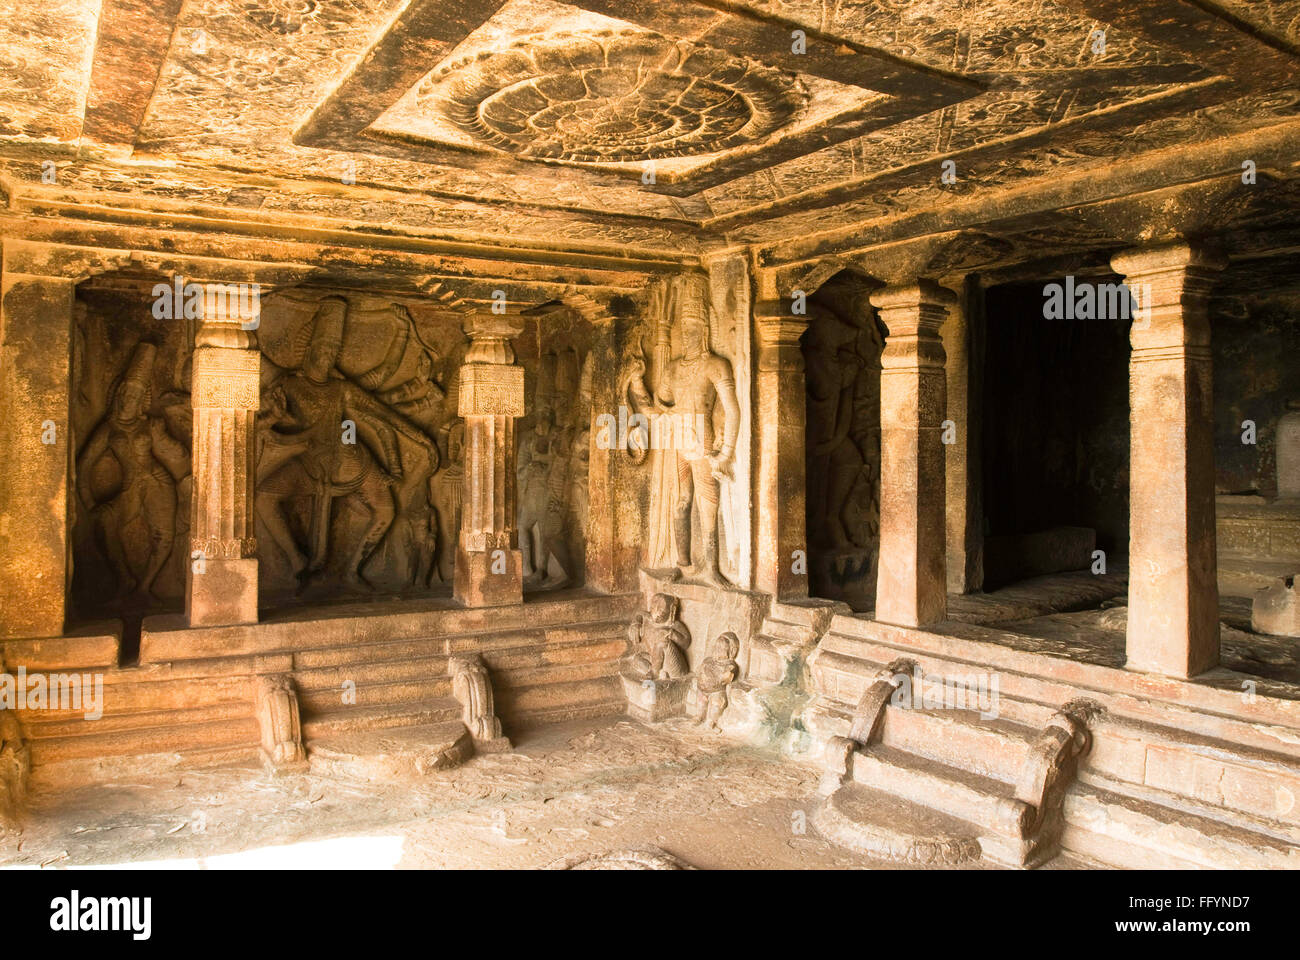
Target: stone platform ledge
{"x":168,"y":638}
{"x":1121,"y":692}
{"x":96,"y":645}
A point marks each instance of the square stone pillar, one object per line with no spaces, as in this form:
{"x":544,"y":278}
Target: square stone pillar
{"x":489,"y":569}
{"x":911,"y":589}
{"x":221,"y":587}
{"x":36,"y":317}
{"x":965,"y":571}
{"x":1173,"y":612}
{"x":782,"y":484}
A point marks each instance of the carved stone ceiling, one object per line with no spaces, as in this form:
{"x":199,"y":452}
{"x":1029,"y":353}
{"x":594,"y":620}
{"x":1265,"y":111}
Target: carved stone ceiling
{"x":670,"y":125}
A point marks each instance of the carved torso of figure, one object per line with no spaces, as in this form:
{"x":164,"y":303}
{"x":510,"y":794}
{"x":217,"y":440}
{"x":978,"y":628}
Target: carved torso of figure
{"x":318,"y":411}
{"x":693,"y":387}
{"x":716,"y":673}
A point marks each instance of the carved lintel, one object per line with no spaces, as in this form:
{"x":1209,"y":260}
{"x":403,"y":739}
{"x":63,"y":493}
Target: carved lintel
{"x":278,"y":717}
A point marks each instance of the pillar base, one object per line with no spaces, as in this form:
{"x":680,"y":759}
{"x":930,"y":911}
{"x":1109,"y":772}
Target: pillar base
{"x":224,"y":594}
{"x":479,"y":585}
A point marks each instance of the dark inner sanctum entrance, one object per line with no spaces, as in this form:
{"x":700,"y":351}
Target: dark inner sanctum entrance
{"x":1056,"y":435}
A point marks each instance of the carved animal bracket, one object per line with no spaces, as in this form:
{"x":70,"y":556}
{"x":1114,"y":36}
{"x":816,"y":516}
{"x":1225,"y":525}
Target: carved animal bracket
{"x":1052,"y":762}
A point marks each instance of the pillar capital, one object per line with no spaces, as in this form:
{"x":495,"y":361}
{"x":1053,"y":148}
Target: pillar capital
{"x":925,"y":300}
{"x":778,"y":338}
{"x":490,"y":335}
{"x":1178,"y":255}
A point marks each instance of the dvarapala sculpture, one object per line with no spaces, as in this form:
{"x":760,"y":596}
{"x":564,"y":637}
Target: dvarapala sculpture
{"x":679,"y":396}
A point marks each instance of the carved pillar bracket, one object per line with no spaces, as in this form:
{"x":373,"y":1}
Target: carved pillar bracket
{"x":1173,"y":616}
{"x":488,"y":565}
{"x":911,"y":587}
{"x":280,"y":723}
{"x":782,"y":547}
{"x":221,"y":583}
{"x":472,"y":686}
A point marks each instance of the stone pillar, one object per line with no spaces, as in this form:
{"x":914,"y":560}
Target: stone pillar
{"x":911,"y":589}
{"x":965,"y":572}
{"x":36,"y":316}
{"x":1173,"y":613}
{"x":488,"y":565}
{"x":222,"y":588}
{"x":782,"y":486}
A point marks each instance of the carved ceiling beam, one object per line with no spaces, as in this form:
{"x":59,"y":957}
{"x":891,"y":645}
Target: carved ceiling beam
{"x":131,"y":44}
{"x":1011,"y":210}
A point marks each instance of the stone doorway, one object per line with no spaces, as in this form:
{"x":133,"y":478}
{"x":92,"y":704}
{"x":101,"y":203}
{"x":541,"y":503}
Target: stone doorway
{"x":1056,"y":436}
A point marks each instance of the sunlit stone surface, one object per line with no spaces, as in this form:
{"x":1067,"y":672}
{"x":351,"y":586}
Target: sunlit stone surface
{"x":401,"y":391}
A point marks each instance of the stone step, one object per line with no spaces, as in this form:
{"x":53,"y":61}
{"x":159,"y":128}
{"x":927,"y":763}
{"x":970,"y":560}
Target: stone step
{"x":1133,"y":833}
{"x":502,"y":664}
{"x":615,"y":704}
{"x":1231,"y":777}
{"x":79,"y":771}
{"x":782,"y":632}
{"x":378,"y":717}
{"x":328,"y":699}
{"x":170,"y":738}
{"x":1179,"y":802}
{"x":136,"y":693}
{"x":391,"y":754}
{"x":167,"y":638}
{"x":559,"y":699}
{"x":491,"y":647}
{"x":1197,"y":708}
{"x":992,"y":748}
{"x":112,"y":723}
{"x":815,"y":614}
{"x":893,"y":829}
{"x":983,"y":801}
{"x":91,"y":649}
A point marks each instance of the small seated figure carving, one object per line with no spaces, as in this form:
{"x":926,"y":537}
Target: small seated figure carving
{"x":716,"y":673}
{"x":659,"y":643}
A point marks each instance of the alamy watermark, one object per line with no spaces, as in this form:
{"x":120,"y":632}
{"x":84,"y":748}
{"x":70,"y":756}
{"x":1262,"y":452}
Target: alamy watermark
{"x":654,"y":431}
{"x":180,"y":300}
{"x":1085,"y":300}
{"x":935,"y":691}
{"x":55,"y":691}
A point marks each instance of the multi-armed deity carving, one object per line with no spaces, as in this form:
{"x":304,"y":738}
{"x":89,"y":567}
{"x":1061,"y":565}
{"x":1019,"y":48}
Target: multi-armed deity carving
{"x":327,"y":434}
{"x":682,"y":398}
{"x":127,"y":476}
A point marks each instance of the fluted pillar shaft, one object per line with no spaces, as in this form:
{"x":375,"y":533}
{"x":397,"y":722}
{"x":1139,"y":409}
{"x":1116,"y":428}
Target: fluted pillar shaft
{"x":221,"y":583}
{"x":489,"y":569}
